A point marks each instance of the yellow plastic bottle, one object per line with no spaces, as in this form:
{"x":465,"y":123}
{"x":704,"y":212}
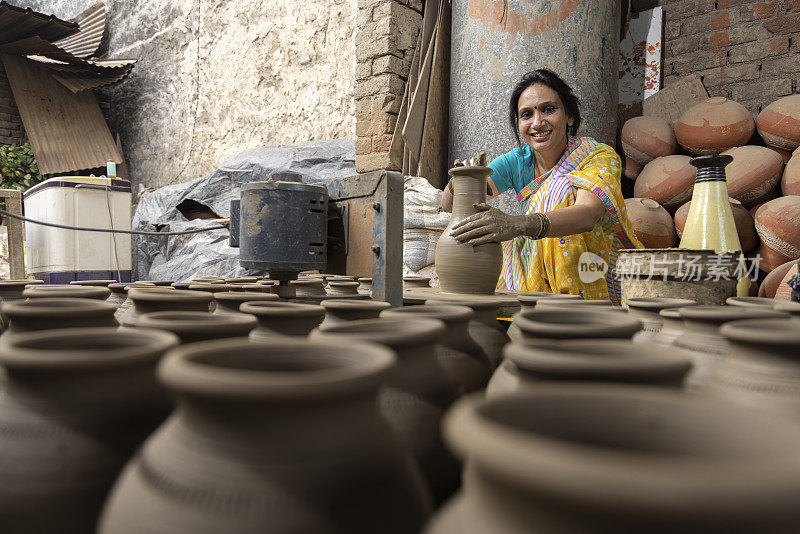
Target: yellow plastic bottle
{"x":710,"y":224}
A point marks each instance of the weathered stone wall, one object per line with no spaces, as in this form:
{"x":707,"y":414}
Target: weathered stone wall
{"x":11,"y":130}
{"x":745,"y":50}
{"x":216,"y":77}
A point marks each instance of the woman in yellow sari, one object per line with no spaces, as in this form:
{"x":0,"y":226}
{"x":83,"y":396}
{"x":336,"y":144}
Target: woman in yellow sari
{"x":573,"y":220}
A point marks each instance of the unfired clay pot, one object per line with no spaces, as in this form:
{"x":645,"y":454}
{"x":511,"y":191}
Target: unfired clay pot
{"x":647,"y":311}
{"x":12,"y":289}
{"x":51,"y":314}
{"x":646,"y":138}
{"x":557,"y":301}
{"x":671,"y":326}
{"x":283,"y":319}
{"x":365,"y":286}
{"x":229,"y":302}
{"x":416,"y":281}
{"x":192,"y":327}
{"x":416,"y":395}
{"x":243,"y":280}
{"x":528,"y":302}
{"x":57,"y":291}
{"x":278,"y":437}
{"x":164,"y":299}
{"x":342,"y":287}
{"x":753,"y":174}
{"x":778,"y":226}
{"x":76,"y":405}
{"x":790,"y":182}
{"x":309,"y":288}
{"x":714,"y":126}
{"x":209,"y":287}
{"x":484,"y":327}
{"x":181,"y":285}
{"x":762,"y":369}
{"x":526,"y":368}
{"x":702,"y":340}
{"x":344,"y":310}
{"x":771,"y":282}
{"x":118,"y":294}
{"x":546,"y":326}
{"x":668,"y":180}
{"x":631,"y":169}
{"x":784,"y":290}
{"x":626,"y":459}
{"x":459,"y":355}
{"x":652,"y":224}
{"x":463,"y":268}
{"x":745,"y":225}
{"x":792,"y":308}
{"x":779,"y":123}
{"x":750,"y":302}
{"x":92,"y":283}
{"x":124,"y":308}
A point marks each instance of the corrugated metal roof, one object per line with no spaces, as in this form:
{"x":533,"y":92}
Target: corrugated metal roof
{"x":67,"y":130}
{"x":93,"y":25}
{"x":17,"y":23}
{"x":82,"y":81}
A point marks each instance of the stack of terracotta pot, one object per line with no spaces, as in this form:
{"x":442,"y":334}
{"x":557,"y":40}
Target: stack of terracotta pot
{"x":763,"y":179}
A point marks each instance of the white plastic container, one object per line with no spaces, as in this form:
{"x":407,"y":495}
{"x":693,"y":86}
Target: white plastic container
{"x":59,"y":256}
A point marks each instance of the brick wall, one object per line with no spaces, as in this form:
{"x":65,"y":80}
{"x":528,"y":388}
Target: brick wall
{"x":11,"y":129}
{"x":748,"y":51}
{"x":385,"y":41}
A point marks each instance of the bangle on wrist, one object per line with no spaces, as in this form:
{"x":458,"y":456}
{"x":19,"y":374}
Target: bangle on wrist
{"x":544,"y":225}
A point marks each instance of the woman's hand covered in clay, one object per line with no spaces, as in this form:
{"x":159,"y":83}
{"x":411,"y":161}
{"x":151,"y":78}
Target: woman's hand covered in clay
{"x":490,"y":226}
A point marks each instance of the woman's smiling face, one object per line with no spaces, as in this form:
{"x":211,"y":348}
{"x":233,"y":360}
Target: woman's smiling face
{"x":543,"y":119}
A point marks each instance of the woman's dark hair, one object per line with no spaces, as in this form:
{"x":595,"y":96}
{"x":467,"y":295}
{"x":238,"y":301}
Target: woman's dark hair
{"x":551,"y":80}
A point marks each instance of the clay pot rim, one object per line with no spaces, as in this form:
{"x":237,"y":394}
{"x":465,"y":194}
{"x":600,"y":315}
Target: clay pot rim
{"x":346,"y":369}
{"x":59,"y":291}
{"x":602,"y":477}
{"x":269,"y":308}
{"x":209,"y":288}
{"x":20,"y":283}
{"x":187,"y":322}
{"x":394,"y":332}
{"x":365,"y":280}
{"x":594,"y":323}
{"x":202,"y":280}
{"x":787,"y":306}
{"x":240,"y":296}
{"x":98,"y":348}
{"x":750,"y":302}
{"x":416,"y":278}
{"x":92,"y":283}
{"x":671,"y":313}
{"x":159,"y":283}
{"x":528,"y":299}
{"x":343,"y":283}
{"x":162,"y":294}
{"x":471,"y":170}
{"x":562,"y":302}
{"x":656,"y":304}
{"x":309,"y":282}
{"x":448,"y":313}
{"x":763,"y":332}
{"x":722,"y":314}
{"x":606,"y":358}
{"x":476,"y":302}
{"x":242,"y":280}
{"x":352,"y":304}
{"x":181,"y":285}
{"x":57,"y":308}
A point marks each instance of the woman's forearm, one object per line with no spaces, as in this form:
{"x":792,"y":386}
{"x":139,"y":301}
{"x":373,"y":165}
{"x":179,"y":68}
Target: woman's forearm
{"x":565,"y":221}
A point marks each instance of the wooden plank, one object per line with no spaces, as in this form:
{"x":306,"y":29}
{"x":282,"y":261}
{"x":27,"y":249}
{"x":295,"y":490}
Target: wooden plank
{"x":16,"y":252}
{"x":67,"y":130}
{"x":671,"y":102}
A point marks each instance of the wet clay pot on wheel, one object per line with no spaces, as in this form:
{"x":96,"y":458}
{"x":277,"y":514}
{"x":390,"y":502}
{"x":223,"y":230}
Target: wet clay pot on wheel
{"x":163,"y":299}
{"x":279,"y":437}
{"x":12,"y":289}
{"x":283,"y":319}
{"x":459,"y":355}
{"x":51,"y":314}
{"x":701,"y":337}
{"x":417,"y":394}
{"x":313,"y":287}
{"x":647,"y":309}
{"x":76,"y":405}
{"x":606,"y":360}
{"x":549,"y":326}
{"x":463,"y":268}
{"x":230,"y":301}
{"x":66,"y":291}
{"x":619,"y":458}
{"x":483,"y":327}
{"x":192,"y":327}
{"x":343,"y":310}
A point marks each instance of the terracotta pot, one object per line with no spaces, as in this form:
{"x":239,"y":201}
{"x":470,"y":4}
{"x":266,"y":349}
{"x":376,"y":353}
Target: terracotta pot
{"x":771,"y":282}
{"x":57,"y":291}
{"x":647,"y":310}
{"x":784,"y":291}
{"x":149,"y":300}
{"x":785,"y":155}
{"x":646,"y":138}
{"x":76,"y":405}
{"x":416,"y":395}
{"x":416,"y":281}
{"x":714,"y":126}
{"x":93,"y":283}
{"x":51,"y":314}
{"x":463,"y":268}
{"x":790,"y":182}
{"x":12,"y":289}
{"x":309,"y":288}
{"x":342,"y":288}
{"x":668,"y":180}
{"x":652,"y":224}
{"x":459,"y":355}
{"x":229,"y":302}
{"x":702,"y":340}
{"x":750,"y":302}
{"x":344,"y":310}
{"x":192,"y":327}
{"x":484,"y":327}
{"x":618,"y":458}
{"x":754,"y":173}
{"x":365,"y":286}
{"x":778,"y":226}
{"x":528,"y":302}
{"x":631,"y":169}
{"x":546,"y":326}
{"x":526,"y":368}
{"x":762,"y":370}
{"x":279,"y":437}
{"x":779,"y":123}
{"x":745,"y":225}
{"x":672,"y":326}
{"x":283,"y":319}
